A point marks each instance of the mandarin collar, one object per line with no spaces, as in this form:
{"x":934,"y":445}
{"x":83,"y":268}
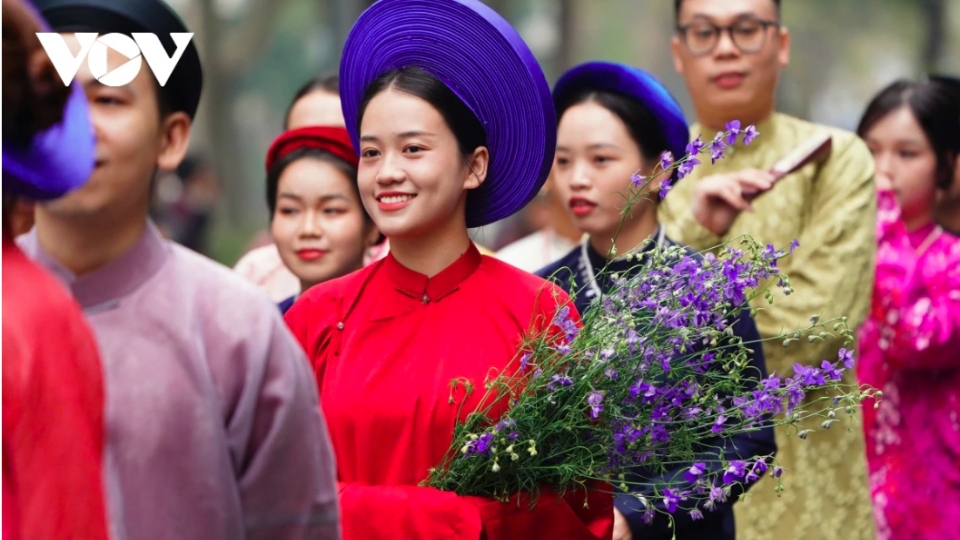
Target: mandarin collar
{"x":417,"y":285}
{"x":767,"y":129}
{"x":106,"y":286}
{"x":620,"y":264}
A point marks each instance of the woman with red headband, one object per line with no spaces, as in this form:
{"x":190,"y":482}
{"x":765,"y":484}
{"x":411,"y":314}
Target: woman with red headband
{"x":316,"y":218}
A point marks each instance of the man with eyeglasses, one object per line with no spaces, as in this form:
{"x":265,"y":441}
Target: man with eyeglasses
{"x":731,"y":53}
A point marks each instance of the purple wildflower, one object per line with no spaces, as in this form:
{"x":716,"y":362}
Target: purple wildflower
{"x":695,"y":146}
{"x":717,"y":146}
{"x":695,"y":472}
{"x":482,"y":445}
{"x":794,"y":245}
{"x":777,"y":472}
{"x":750,"y":134}
{"x":610,"y":373}
{"x":733,"y":131}
{"x":666,"y":185}
{"x":632,"y":339}
{"x":649,"y":514}
{"x":525,"y":361}
{"x":564,"y":322}
{"x":636,"y":180}
{"x":687,"y":167}
{"x":737,"y":469}
{"x":756,"y":471}
{"x":696,"y":514}
{"x":670,"y":500}
{"x":795,"y":395}
{"x":559,"y":380}
{"x":595,"y":400}
{"x":717,"y":494}
{"x":718,"y":425}
{"x":771,"y":383}
{"x":831,"y":371}
{"x":666,"y":160}
{"x":563,"y":348}
{"x":659,"y":435}
{"x":847,"y":358}
{"x":809,"y":376}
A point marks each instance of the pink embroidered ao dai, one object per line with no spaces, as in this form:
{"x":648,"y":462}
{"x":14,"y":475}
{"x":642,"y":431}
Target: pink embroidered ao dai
{"x":910,"y":349}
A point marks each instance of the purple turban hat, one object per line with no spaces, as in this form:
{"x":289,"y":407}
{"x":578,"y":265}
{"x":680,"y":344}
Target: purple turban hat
{"x":635,"y":84}
{"x":482,"y":59}
{"x":56,"y":160}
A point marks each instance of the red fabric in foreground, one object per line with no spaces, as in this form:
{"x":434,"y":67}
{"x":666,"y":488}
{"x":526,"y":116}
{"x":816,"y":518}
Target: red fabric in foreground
{"x":384,"y":381}
{"x":53,"y":431}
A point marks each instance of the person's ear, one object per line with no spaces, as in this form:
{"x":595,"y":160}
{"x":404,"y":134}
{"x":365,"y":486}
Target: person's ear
{"x":783,"y":56}
{"x":174,"y":140}
{"x":675,"y":49}
{"x":477,"y":166}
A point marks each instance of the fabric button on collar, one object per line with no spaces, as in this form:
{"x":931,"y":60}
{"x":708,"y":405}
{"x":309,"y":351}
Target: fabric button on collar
{"x":427,"y":289}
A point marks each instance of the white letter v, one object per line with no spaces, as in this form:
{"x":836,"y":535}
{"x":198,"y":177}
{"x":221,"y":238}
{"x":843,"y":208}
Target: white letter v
{"x":63,"y":60}
{"x":156,"y":56}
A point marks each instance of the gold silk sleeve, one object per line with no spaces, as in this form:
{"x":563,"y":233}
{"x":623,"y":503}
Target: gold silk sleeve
{"x":832,"y":270}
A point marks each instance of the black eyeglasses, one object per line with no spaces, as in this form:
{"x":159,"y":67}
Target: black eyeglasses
{"x":748,"y":35}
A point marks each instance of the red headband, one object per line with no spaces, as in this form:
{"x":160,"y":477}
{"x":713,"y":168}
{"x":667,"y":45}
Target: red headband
{"x":335,"y":140}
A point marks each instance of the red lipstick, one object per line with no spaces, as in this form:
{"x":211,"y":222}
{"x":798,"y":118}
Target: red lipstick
{"x":309,"y":255}
{"x":581,"y":206}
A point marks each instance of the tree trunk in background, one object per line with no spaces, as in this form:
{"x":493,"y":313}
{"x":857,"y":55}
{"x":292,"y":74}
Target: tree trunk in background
{"x":343,"y":13}
{"x":219,"y":90}
{"x":230,"y":54}
{"x":568,"y":30}
{"x":936,"y":25}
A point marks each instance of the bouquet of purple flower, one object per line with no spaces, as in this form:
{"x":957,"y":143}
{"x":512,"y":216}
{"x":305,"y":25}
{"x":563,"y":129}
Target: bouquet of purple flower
{"x":651,"y":375}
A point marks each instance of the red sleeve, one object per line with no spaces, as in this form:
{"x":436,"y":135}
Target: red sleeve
{"x":572,"y":517}
{"x":401,"y":512}
{"x":53,"y":429}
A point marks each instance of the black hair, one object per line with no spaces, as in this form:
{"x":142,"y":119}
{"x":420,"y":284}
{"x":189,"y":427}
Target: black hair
{"x":643,"y":127}
{"x":192,"y":165}
{"x":166,"y":102}
{"x":677,"y":4}
{"x":273,"y":175}
{"x":329,"y":83}
{"x":415,"y":81}
{"x":935,"y":103}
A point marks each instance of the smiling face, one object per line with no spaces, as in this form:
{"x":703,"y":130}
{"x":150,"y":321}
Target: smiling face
{"x":318,"y":224}
{"x":904,"y":156}
{"x":727,"y":83}
{"x":596,"y":157}
{"x":132,"y":141}
{"x":413,"y":178}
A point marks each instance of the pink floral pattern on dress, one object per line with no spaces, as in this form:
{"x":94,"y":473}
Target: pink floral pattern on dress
{"x":910,"y":349}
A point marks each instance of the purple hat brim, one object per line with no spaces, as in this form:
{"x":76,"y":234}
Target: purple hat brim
{"x":483,"y":60}
{"x":57,"y":160}
{"x":634,"y":83}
